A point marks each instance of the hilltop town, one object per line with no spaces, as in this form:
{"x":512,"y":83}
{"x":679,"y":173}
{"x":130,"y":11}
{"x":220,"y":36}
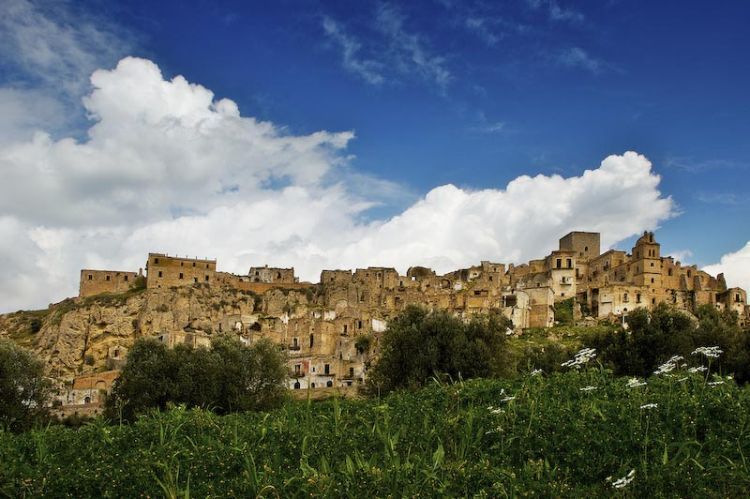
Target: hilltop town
{"x":331,"y":329}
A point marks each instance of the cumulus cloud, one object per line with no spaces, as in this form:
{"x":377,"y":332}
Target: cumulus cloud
{"x":735,"y":266}
{"x":168,"y":167}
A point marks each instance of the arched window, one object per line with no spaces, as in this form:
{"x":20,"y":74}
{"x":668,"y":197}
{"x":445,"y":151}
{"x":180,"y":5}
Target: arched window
{"x":329,"y":383}
{"x":296,"y":385}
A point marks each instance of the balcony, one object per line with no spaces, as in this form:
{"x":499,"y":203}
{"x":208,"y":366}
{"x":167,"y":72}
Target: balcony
{"x":294,"y":348}
{"x":297,"y":374}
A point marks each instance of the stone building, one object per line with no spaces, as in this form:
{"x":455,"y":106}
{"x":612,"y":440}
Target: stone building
{"x":165,"y":271}
{"x":94,"y":282}
{"x":272,"y":275}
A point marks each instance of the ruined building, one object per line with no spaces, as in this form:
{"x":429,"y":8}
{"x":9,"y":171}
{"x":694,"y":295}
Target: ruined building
{"x":331,"y":330}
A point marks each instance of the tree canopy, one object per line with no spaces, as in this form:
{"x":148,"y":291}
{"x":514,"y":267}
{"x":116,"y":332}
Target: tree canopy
{"x":419,"y":345}
{"x":228,"y":377}
{"x":24,"y":391}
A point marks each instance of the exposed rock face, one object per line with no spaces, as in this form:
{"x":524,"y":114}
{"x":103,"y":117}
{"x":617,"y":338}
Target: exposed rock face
{"x":78,"y":335}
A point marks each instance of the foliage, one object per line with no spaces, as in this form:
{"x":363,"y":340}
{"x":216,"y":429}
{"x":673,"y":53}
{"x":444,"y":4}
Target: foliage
{"x":654,"y":336}
{"x":228,"y":377}
{"x":362,"y":343}
{"x":419,"y":345}
{"x":24,"y":392}
{"x":564,"y":311}
{"x":572,"y":434}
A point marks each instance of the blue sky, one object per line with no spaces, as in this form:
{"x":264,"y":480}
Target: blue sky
{"x":526,"y":91}
{"x":436,"y":92}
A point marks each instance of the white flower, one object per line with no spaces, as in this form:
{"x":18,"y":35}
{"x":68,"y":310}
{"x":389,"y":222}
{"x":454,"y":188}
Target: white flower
{"x":669,"y":365}
{"x":698,"y":369}
{"x":581,"y":358}
{"x":588,"y":388}
{"x":497,"y":411}
{"x":710,"y":352}
{"x":536,"y":372}
{"x":624,"y":481}
{"x":649,"y":406}
{"x":715,"y":383}
{"x":508,"y":399}
{"x":635,"y":383}
{"x":682,"y":379}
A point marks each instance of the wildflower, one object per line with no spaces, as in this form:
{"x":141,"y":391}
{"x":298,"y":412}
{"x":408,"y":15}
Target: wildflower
{"x":508,"y":399}
{"x":698,"y":369}
{"x":715,"y":383}
{"x":588,"y":388}
{"x":710,"y":352}
{"x":682,"y":379}
{"x":624,"y":481}
{"x":497,"y":411}
{"x":669,"y":365}
{"x":581,"y":358}
{"x":649,"y":406}
{"x":536,"y":372}
{"x":635,"y":383}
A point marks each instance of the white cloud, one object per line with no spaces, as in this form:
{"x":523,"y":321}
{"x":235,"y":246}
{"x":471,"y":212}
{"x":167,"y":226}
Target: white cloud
{"x":576,"y":57}
{"x":408,"y":50}
{"x":168,"y":167}
{"x":366,"y":69}
{"x":735,"y":266}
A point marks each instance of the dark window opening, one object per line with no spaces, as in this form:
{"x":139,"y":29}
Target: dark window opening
{"x":296,"y":385}
{"x":312,"y":340}
{"x":329,"y":383}
{"x":559,"y":263}
{"x":160,"y":274}
{"x":569,"y":261}
{"x":126,"y":278}
{"x":193,"y":264}
{"x":107,"y":278}
{"x":312,"y":385}
{"x":195,"y":279}
{"x":206,"y":278}
{"x":181,"y":276}
{"x":327,"y":369}
{"x":156,"y":260}
{"x":91,"y":278}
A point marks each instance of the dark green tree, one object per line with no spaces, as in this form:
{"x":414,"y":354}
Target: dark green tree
{"x":24,"y":391}
{"x":419,"y":345}
{"x":228,"y":377}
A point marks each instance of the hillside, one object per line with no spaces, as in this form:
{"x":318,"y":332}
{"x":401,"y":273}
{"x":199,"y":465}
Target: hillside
{"x":77,"y":334}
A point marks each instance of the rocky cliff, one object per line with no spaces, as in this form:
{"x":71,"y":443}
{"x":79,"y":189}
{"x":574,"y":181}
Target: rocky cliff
{"x":76,"y":335}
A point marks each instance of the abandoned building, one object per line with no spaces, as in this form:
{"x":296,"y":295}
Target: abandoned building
{"x":332,"y":339}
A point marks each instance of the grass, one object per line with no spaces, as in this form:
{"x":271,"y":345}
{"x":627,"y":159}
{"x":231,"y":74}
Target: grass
{"x":570,"y":434}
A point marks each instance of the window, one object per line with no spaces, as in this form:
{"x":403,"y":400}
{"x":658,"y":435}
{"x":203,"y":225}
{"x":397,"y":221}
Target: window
{"x":653,"y":301}
{"x":206,"y":278}
{"x":346,"y":328}
{"x":327,"y":369}
{"x":107,"y":278}
{"x":351,"y":371}
{"x":278,"y":275}
{"x":329,"y":383}
{"x":559,"y":263}
{"x":312,"y":340}
{"x":359,"y":324}
{"x":206,"y":265}
{"x":181,"y":276}
{"x":193,"y":264}
{"x":669,"y":272}
{"x":652,"y":264}
{"x":625,"y":297}
{"x":295,"y":342}
{"x":91,"y":277}
{"x":638,"y":298}
{"x":195,"y":279}
{"x":160,"y":275}
{"x":586,"y":249}
{"x":126,"y":278}
{"x":116,"y":353}
{"x":737,"y":298}
{"x":182,"y":264}
{"x":297,"y":368}
{"x":296,"y":385}
{"x":156,"y":260}
{"x":652,"y":280}
{"x":569,"y":261}
{"x":690,"y":274}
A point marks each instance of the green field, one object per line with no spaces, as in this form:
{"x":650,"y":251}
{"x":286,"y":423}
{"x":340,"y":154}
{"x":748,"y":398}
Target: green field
{"x":573,"y":434}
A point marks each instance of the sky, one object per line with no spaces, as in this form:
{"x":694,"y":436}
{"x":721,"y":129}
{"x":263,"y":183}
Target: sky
{"x":344,"y":134}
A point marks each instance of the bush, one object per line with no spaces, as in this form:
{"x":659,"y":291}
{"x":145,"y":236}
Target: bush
{"x":227,"y":378}
{"x":564,"y":311}
{"x":654,"y":336}
{"x":24,"y":392}
{"x":419,"y":345}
